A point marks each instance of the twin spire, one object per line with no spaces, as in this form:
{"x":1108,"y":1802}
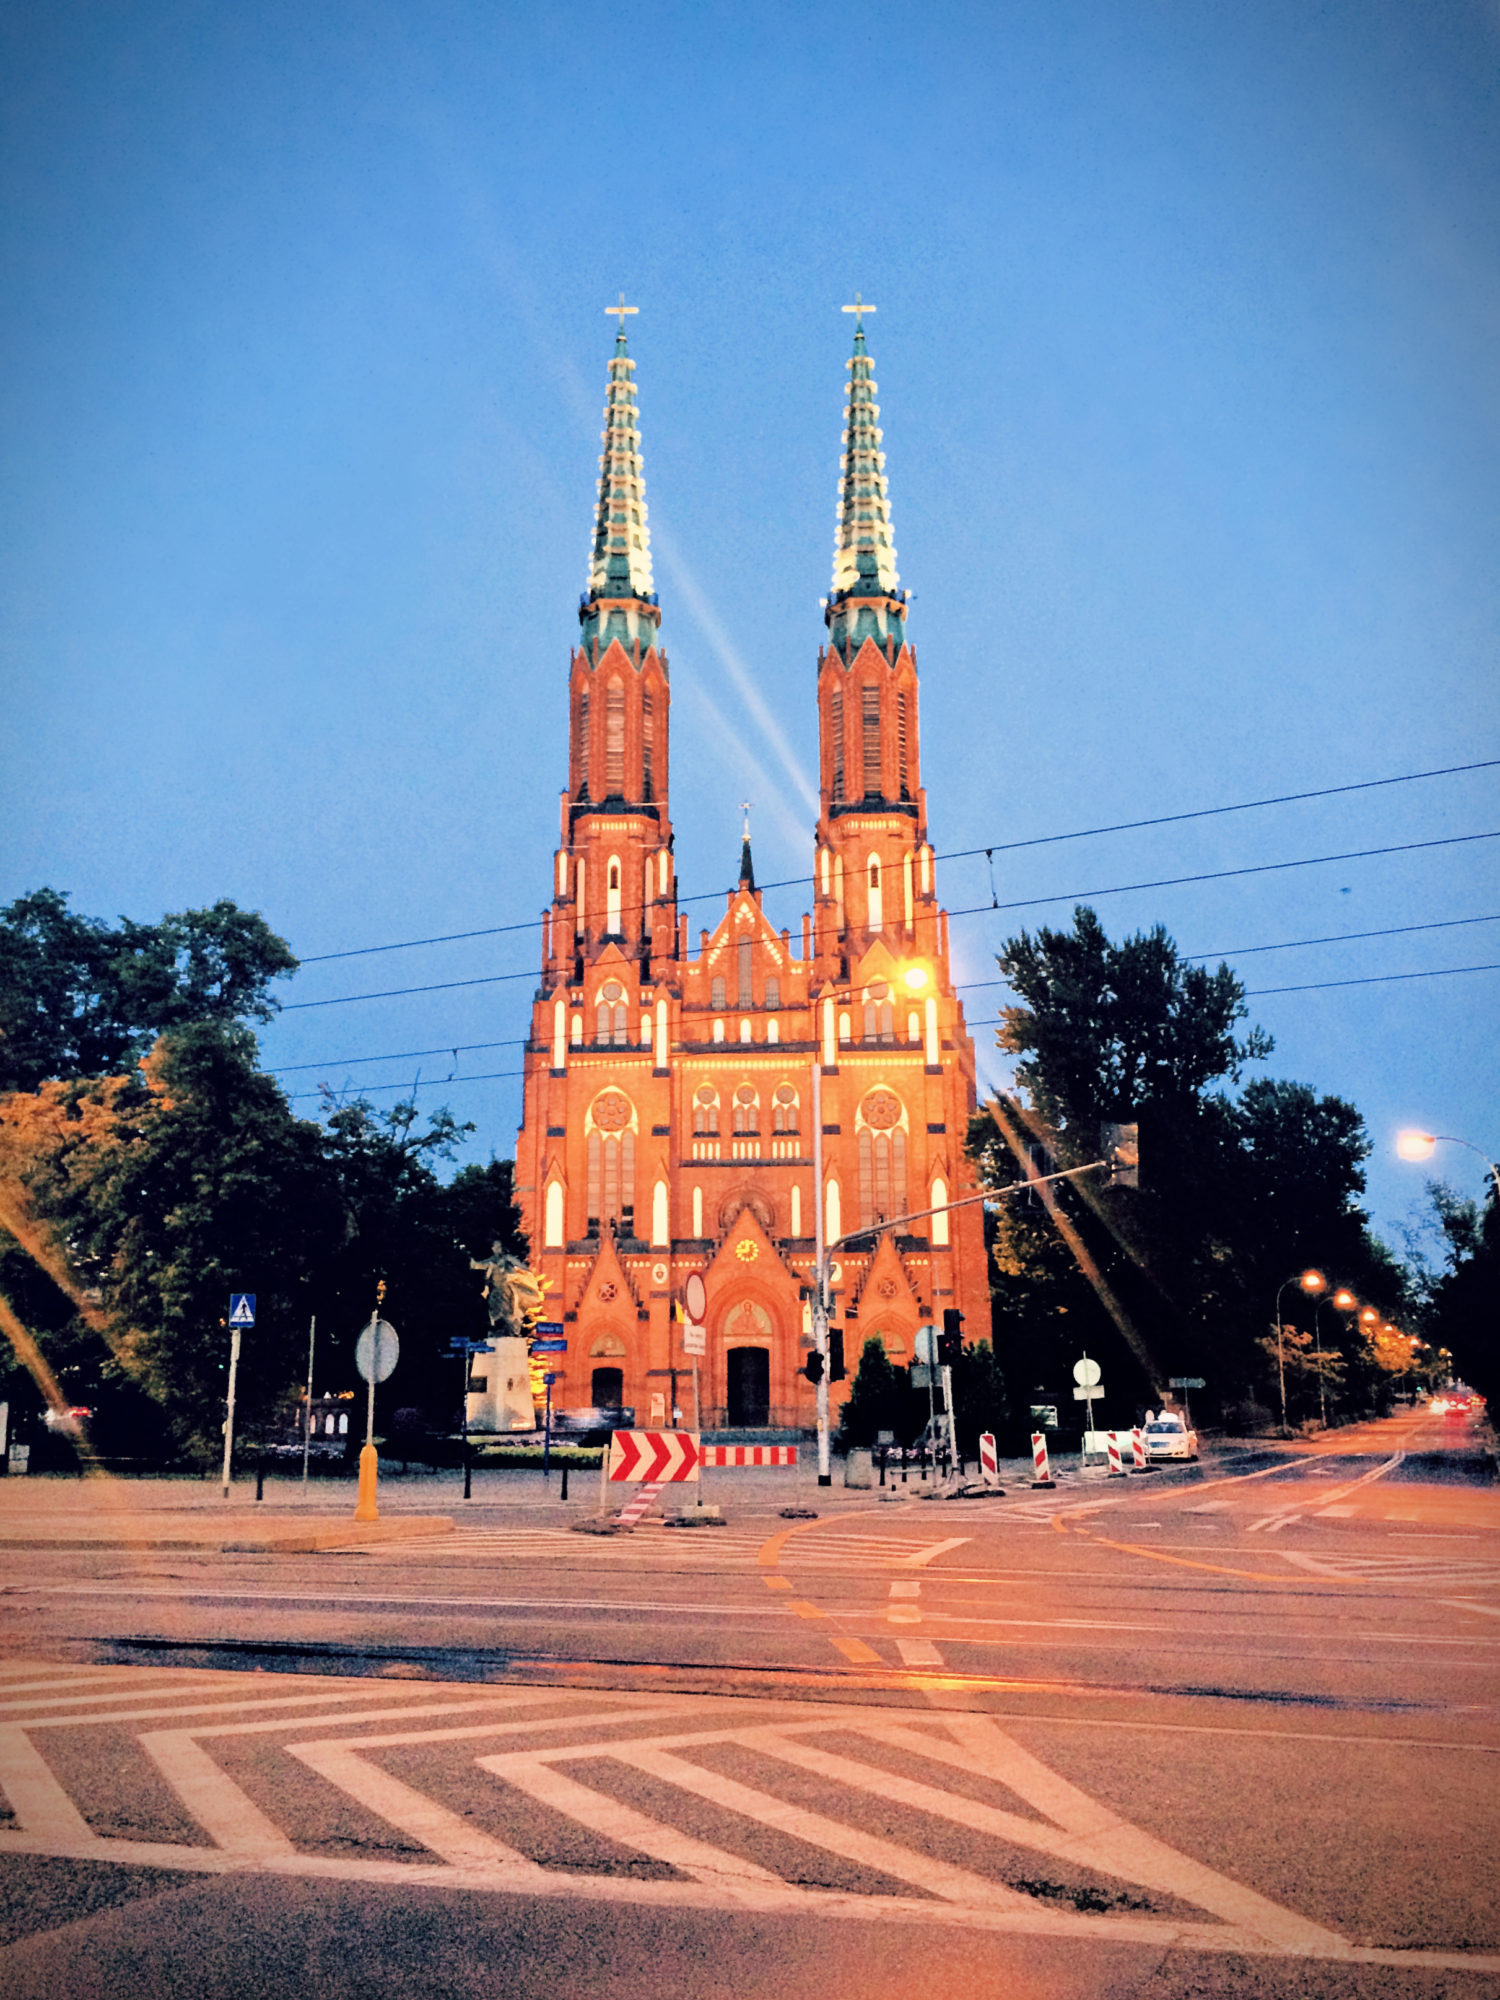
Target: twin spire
{"x":864,"y":556}
{"x":621,"y":562}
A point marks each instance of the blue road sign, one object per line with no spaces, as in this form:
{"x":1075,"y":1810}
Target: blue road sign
{"x":548,"y":1329}
{"x":242,"y":1308}
{"x":549,"y":1347}
{"x":550,"y":1379}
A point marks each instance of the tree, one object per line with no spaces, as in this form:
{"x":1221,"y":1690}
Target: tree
{"x":1460,"y":1305}
{"x":80,"y":999}
{"x":198,"y":1183}
{"x":1178,"y":1276}
{"x":878,"y":1399}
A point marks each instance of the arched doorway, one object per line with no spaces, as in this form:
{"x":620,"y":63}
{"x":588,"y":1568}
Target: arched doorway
{"x":747,"y":1366}
{"x":749,"y":1386}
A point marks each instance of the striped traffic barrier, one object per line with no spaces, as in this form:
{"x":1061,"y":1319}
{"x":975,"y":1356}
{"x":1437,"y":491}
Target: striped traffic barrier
{"x":1112,"y":1446}
{"x":1042,"y":1474}
{"x":989,"y":1464}
{"x":1138,"y":1450}
{"x":748,"y":1454}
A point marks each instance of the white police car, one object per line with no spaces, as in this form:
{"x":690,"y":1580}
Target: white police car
{"x":1168,"y":1437}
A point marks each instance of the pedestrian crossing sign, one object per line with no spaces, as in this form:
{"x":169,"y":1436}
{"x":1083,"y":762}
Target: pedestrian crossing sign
{"x":242,"y":1308}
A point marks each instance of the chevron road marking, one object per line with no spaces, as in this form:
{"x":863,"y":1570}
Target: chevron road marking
{"x":1063,"y":1822}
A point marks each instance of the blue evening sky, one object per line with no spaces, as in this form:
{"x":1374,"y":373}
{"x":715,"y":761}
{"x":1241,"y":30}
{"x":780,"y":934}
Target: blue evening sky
{"x":1186,"y":342}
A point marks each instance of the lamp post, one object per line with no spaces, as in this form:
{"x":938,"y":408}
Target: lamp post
{"x":915,"y":978}
{"x":1311,"y":1282}
{"x":1343,"y":1300}
{"x":1416,"y":1145}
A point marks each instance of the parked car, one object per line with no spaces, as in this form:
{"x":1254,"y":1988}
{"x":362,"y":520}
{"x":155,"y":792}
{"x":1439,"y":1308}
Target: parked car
{"x":1169,"y":1437}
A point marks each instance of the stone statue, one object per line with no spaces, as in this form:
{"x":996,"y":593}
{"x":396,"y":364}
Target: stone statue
{"x":514,"y":1294}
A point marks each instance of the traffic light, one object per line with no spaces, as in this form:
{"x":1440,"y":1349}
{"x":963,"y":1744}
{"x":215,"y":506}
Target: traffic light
{"x":812,"y":1368}
{"x":951,"y":1339}
{"x":836,"y":1368}
{"x":1122,"y":1144}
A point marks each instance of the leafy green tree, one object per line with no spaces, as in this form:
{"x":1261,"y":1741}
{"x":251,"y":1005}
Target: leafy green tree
{"x":202,"y":1183}
{"x":402,"y":1225}
{"x":878,"y":1399}
{"x":1460,"y":1306}
{"x":79,"y":998}
{"x":980,"y":1402}
{"x":1179,"y":1276}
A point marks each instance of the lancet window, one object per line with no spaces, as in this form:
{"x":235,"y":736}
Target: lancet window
{"x":836,"y":729}
{"x":869,"y":698}
{"x":648,"y":745}
{"x":614,"y":740}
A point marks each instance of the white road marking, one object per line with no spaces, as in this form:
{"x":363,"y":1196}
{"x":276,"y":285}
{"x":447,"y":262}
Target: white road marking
{"x":231,"y":1820}
{"x":904,"y":1589}
{"x":937,"y":1549}
{"x":1462,"y":1604}
{"x":40,"y":1804}
{"x":410,"y":1811}
{"x":918,"y":1653}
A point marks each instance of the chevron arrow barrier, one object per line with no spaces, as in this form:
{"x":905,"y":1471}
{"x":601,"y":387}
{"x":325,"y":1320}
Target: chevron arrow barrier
{"x":658,"y":1456}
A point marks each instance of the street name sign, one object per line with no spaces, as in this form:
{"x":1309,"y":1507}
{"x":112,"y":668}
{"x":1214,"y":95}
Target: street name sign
{"x":549,"y":1347}
{"x":694,"y":1338}
{"x":1188,"y":1382}
{"x":548,"y":1329}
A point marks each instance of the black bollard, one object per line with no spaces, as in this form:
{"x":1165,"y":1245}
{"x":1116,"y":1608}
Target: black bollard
{"x":260,"y":1479}
{"x":882,"y":1465}
{"x":564,"y":1494}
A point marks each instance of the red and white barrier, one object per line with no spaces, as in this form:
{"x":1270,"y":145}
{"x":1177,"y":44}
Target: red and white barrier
{"x":640,"y":1504}
{"x":662,"y":1455}
{"x":1116,"y":1463}
{"x":1138,"y":1450}
{"x":1042,"y":1476}
{"x":748,"y":1454}
{"x":989,"y":1464}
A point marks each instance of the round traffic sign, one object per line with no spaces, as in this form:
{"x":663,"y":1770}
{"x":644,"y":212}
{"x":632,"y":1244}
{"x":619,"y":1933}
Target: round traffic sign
{"x":1086,"y":1373}
{"x":695,"y":1298}
{"x":376,"y":1350}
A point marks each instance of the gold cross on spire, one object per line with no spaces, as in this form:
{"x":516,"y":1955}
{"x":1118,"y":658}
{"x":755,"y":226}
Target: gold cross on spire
{"x":859,"y":309}
{"x":622,"y":309}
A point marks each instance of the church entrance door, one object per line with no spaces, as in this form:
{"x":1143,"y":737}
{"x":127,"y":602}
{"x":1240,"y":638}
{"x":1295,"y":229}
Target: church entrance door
{"x":749,"y":1387}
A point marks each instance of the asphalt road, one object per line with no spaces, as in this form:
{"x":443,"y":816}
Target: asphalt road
{"x":1228,"y":1729}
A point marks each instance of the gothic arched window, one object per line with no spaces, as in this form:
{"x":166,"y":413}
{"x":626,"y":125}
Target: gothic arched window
{"x":773,"y":991}
{"x":706,"y":1110}
{"x":746,"y":1109}
{"x":614,"y":741}
{"x":784,"y":1109}
{"x":718,"y":995}
{"x":648,"y":743}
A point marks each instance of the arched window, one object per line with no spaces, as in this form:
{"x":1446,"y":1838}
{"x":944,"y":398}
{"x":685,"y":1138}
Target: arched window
{"x":611,"y":1181}
{"x":697,"y":1211}
{"x":836,"y":731}
{"x":833,"y":1227}
{"x":583,"y":743}
{"x":648,"y":745}
{"x":880,"y":1015}
{"x":784,"y":1111}
{"x":869,"y":715}
{"x":773,"y":991}
{"x":746,"y":1109}
{"x":882,"y":1159}
{"x":902,"y":766}
{"x":875,"y":904}
{"x":609,"y":1016}
{"x":552,"y":1230}
{"x":661,"y":1234}
{"x":612,"y":899}
{"x":940,"y":1211}
{"x":746,"y":956}
{"x":614,"y":741}
{"x":705,"y":1114}
{"x":718,"y":995}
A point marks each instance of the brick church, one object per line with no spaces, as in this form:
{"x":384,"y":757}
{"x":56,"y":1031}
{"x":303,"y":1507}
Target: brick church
{"x":669,"y":1082}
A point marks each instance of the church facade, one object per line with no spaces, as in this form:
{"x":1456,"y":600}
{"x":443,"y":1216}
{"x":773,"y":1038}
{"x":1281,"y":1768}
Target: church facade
{"x":669,"y":1081}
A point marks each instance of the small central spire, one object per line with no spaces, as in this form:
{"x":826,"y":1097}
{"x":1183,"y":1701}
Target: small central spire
{"x":620,"y":565}
{"x":747,"y":866}
{"x":864,"y":557}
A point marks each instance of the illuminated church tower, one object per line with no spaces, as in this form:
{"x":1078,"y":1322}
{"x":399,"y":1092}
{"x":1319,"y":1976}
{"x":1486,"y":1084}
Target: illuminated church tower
{"x":668,"y":1093}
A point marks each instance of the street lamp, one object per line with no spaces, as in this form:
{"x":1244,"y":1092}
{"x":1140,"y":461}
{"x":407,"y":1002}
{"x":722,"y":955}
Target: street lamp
{"x":1311,"y":1282}
{"x":1416,"y":1145}
{"x":1343,"y":1300}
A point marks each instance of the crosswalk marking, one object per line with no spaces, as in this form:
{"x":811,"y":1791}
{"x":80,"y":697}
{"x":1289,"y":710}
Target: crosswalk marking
{"x":840,"y":1551}
{"x":918,"y":1653}
{"x":541,"y":1747}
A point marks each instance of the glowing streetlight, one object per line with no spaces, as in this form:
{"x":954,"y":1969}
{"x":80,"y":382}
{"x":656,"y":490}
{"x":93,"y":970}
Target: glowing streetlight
{"x":1413,"y":1144}
{"x":1310,"y":1282}
{"x":1343,"y":1300}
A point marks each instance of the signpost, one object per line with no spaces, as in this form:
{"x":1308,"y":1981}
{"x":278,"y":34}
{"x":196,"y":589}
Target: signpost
{"x":1186,"y":1382}
{"x":375,"y":1355}
{"x":241,"y":1315}
{"x":1086,"y":1374}
{"x":466,"y":1349}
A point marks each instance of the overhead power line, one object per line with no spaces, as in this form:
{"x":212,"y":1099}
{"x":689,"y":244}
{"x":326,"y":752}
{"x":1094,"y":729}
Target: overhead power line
{"x":489,"y":1076}
{"x":964,"y":853}
{"x":457,"y":1049}
{"x":978,"y":909}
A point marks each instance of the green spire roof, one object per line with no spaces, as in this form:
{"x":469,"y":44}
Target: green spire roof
{"x":864,"y":559}
{"x":621,"y":562}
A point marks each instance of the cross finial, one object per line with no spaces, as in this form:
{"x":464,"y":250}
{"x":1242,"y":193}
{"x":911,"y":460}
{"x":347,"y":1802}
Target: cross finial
{"x":745,"y":809}
{"x":859,"y":309}
{"x":622,"y":309}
